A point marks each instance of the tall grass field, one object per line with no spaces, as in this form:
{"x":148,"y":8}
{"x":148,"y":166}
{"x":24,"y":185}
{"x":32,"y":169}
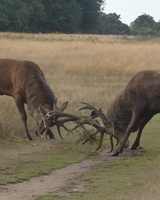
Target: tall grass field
{"x":89,"y":68}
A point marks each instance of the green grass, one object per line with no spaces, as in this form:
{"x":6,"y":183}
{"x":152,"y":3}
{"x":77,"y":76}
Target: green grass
{"x":110,"y":180}
{"x":126,"y":178}
{"x":21,"y":161}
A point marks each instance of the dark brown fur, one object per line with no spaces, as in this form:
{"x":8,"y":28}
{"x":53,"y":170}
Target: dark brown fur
{"x":135,"y":106}
{"x":25,"y":82}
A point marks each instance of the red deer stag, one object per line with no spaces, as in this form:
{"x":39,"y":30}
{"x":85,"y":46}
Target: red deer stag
{"x":25,"y":82}
{"x":130,"y":111}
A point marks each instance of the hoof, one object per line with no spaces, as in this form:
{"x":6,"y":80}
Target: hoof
{"x":28,"y":139}
{"x":133,"y":147}
{"x":116,"y":153}
{"x":52,"y":137}
{"x":140,"y":147}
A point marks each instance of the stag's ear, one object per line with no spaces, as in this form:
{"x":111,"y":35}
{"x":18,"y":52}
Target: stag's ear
{"x":63,"y":106}
{"x":43,"y":110}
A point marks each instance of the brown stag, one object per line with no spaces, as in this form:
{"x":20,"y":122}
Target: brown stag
{"x":130,"y":111}
{"x":25,"y":82}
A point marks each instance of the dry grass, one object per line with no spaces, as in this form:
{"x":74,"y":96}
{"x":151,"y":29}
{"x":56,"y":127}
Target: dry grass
{"x":83,"y":67}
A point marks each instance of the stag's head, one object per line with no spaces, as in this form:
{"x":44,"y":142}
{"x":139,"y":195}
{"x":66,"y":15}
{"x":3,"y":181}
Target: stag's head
{"x":47,"y":119}
{"x":48,"y":114}
{"x":118,"y":128}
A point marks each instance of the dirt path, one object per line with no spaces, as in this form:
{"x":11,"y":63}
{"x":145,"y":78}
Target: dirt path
{"x":47,"y":184}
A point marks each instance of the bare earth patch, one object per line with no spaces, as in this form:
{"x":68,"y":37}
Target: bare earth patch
{"x":49,"y":184}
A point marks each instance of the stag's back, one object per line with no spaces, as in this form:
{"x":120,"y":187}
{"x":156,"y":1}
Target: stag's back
{"x":24,"y":78}
{"x":7,"y":75}
{"x":143,"y":91}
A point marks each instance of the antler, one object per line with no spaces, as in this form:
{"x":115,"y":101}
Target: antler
{"x":95,"y":113}
{"x":56,"y":114}
{"x":98,"y":113}
{"x":43,"y":126}
{"x":89,"y":120}
{"x":51,"y":119}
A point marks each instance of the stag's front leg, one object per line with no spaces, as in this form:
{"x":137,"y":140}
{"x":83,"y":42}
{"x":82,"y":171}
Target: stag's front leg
{"x":20,"y":106}
{"x":133,"y":122}
{"x":121,"y":146}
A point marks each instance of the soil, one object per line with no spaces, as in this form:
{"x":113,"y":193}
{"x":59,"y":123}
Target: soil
{"x":52,"y":183}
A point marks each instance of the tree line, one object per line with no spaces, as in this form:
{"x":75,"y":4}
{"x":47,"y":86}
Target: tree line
{"x":143,"y":25}
{"x":69,"y":16}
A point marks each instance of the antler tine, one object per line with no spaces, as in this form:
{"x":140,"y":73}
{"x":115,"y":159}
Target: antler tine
{"x":78,"y":125}
{"x":58,"y":113}
{"x":111,"y":140}
{"x":59,"y":132}
{"x":55,"y":104}
{"x":101,"y":140}
{"x":69,"y":131}
{"x":88,"y":106}
{"x":61,"y":124}
{"x":82,"y":108}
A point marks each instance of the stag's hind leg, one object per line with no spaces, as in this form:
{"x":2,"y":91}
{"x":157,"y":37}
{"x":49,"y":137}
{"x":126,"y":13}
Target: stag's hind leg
{"x":137,"y":140}
{"x":20,"y":106}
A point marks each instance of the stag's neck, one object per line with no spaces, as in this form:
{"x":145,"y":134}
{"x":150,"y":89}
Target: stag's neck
{"x":119,"y":113}
{"x":39,"y":93}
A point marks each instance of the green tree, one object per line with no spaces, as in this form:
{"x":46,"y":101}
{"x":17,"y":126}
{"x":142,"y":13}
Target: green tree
{"x":4,"y":22}
{"x":90,"y":15}
{"x":72,"y":20}
{"x":19,"y":16}
{"x":143,"y":25}
{"x":157,"y":27}
{"x":27,"y":16}
{"x":54,"y":15}
{"x":62,"y":16}
{"x":37,"y":16}
{"x":5,"y":7}
{"x":111,"y":24}
{"x":67,"y":16}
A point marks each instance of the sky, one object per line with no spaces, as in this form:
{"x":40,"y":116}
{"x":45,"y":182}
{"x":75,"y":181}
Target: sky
{"x":130,"y":10}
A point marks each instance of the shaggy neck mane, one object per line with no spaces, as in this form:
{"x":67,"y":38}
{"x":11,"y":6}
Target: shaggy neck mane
{"x":39,"y":93}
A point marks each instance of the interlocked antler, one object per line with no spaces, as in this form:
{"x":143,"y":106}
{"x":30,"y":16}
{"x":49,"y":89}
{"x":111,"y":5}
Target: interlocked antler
{"x":50,"y":120}
{"x":98,"y":113}
{"x":90,"y":120}
{"x":56,"y":114}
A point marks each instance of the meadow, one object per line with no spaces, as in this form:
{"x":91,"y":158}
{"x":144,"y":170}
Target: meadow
{"x":93,"y":69}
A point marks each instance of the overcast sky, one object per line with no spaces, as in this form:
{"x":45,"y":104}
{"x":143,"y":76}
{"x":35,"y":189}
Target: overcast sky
{"x":130,"y":10}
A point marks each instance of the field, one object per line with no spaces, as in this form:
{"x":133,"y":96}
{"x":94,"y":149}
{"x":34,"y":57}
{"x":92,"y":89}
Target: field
{"x":88,"y":68}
